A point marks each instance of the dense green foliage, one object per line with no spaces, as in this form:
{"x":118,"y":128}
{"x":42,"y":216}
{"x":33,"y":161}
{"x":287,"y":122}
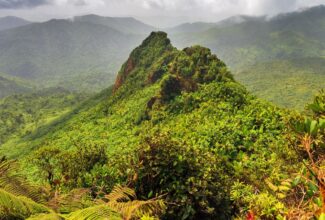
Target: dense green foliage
{"x":193,"y":179}
{"x":176,"y":125}
{"x":21,"y":115}
{"x":18,"y":202}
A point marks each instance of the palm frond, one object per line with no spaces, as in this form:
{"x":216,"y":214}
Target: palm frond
{"x":18,"y":207}
{"x":99,"y":212}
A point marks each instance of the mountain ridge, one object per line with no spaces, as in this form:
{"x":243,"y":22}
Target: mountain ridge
{"x":128,"y":25}
{"x":10,"y":22}
{"x":70,"y":49}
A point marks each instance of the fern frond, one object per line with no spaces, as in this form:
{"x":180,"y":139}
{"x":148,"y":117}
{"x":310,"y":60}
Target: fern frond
{"x":120,"y":194}
{"x":137,"y":208}
{"x":71,"y":201}
{"x":18,"y":206}
{"x":99,"y":212}
{"x":123,"y":200}
{"x":16,"y":184}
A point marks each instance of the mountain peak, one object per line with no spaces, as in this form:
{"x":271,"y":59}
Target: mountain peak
{"x":156,"y":39}
{"x":156,"y":61}
{"x":150,"y":50}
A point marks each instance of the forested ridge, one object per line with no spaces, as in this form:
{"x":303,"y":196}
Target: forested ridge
{"x":176,"y":137}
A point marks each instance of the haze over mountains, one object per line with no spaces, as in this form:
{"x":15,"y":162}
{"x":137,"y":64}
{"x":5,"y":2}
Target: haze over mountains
{"x":12,"y":22}
{"x":84,"y":53}
{"x":68,"y":52}
{"x":299,"y":34}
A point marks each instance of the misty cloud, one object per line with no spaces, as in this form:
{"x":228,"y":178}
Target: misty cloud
{"x":188,"y":10}
{"x":12,"y":4}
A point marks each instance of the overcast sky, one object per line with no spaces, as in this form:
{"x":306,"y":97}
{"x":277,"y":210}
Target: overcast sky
{"x":152,"y":10}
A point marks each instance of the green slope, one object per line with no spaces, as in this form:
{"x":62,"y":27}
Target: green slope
{"x":11,"y":85}
{"x":22,"y":114}
{"x":287,"y":83}
{"x":200,"y":131}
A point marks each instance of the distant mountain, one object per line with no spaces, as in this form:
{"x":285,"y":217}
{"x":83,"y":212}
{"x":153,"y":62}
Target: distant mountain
{"x":12,"y":22}
{"x":196,"y":27}
{"x":165,"y":22}
{"x":78,"y":55}
{"x":126,"y":25}
{"x":309,"y":22}
{"x":191,"y":27}
{"x":300,"y":34}
{"x":238,"y":20}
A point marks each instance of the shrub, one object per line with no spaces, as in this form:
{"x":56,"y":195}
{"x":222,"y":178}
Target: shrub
{"x":69,"y":168}
{"x":170,"y":87}
{"x":192,"y":178}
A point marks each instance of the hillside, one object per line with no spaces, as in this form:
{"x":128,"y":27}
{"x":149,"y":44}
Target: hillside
{"x":177,"y":125}
{"x":21,"y":114}
{"x":11,"y":85}
{"x":10,"y":22}
{"x":287,"y":83}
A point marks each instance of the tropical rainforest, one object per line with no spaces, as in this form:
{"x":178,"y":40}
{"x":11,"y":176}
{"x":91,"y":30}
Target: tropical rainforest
{"x":176,"y":137}
{"x":233,"y":129}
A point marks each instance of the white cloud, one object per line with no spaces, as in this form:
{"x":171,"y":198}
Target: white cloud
{"x":210,"y":10}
